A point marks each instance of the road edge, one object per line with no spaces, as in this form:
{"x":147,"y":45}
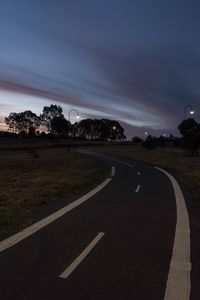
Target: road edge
{"x":178,"y":283}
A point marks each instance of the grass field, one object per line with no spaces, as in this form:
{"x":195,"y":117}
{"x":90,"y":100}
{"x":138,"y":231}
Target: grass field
{"x":30,"y":178}
{"x":180,"y":163}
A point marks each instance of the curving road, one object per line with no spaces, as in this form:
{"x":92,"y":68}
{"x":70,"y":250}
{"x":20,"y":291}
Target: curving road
{"x":117,"y":244}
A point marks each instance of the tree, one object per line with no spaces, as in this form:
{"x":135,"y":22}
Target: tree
{"x":186,"y":127}
{"x":60,"y":125}
{"x":26,"y":122}
{"x":84,"y":128}
{"x":116,"y":131}
{"x":12,"y":122}
{"x":50,"y":112}
{"x":103,"y":129}
{"x":31,"y":121}
{"x":190,"y":130}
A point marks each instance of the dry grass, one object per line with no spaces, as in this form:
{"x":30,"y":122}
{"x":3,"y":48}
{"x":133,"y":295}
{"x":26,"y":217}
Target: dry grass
{"x":177,"y":161}
{"x":29,"y":179}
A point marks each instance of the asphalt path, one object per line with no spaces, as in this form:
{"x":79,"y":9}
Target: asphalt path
{"x":116,"y":245}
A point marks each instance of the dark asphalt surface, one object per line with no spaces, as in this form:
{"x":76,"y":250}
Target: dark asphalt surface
{"x":132,"y":259}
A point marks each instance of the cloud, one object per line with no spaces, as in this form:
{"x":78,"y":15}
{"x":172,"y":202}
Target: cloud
{"x":129,"y":61}
{"x":147,"y":89}
{"x":159,"y":81}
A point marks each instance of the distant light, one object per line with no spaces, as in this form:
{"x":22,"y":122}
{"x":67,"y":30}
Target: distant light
{"x":78,"y":117}
{"x":114,"y":127}
{"x":164,"y":134}
{"x":146,"y":133}
{"x":192,"y":112}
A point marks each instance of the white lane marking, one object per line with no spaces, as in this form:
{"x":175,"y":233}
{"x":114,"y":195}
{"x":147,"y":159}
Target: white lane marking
{"x":113,"y":171}
{"x":137,"y":189}
{"x":81,"y":257}
{"x":16,"y":238}
{"x":123,"y":163}
{"x":138,"y":173}
{"x":178,"y":282}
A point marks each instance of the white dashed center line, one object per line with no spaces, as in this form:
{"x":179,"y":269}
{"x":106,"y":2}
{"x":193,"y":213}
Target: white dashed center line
{"x":81,"y":257}
{"x":113,"y":172}
{"x":137,"y":189}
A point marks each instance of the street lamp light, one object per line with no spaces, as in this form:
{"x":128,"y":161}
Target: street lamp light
{"x":69,"y":115}
{"x":73,"y":110}
{"x":191,"y":111}
{"x":145,"y":135}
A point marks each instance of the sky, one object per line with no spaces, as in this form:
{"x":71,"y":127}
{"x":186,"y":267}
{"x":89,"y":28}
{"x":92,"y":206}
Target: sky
{"x":135,"y":61}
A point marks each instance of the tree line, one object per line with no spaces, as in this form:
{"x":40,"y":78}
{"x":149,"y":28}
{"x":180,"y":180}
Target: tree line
{"x":54,"y":123}
{"x":189,"y":130}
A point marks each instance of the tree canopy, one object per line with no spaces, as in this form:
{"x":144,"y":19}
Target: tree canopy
{"x":190,"y":130}
{"x":60,"y":125}
{"x":26,"y":122}
{"x":49,"y":113}
{"x":103,"y":129}
{"x":187,"y":127}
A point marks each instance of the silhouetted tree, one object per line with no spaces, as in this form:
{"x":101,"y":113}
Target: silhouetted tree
{"x":60,"y":125}
{"x":50,"y":112}
{"x":186,"y":127}
{"x":190,"y":130}
{"x":24,"y":122}
{"x":12,"y":121}
{"x":103,"y":129}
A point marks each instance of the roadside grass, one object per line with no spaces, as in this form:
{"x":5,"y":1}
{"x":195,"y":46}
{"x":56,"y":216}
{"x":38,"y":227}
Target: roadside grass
{"x":180,"y":163}
{"x":32,"y":178}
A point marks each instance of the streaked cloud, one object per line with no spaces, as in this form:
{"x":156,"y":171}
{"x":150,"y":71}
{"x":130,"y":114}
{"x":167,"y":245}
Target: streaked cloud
{"x":134,"y":61}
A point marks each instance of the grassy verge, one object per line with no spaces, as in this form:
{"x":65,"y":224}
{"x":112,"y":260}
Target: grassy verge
{"x":177,"y":161}
{"x":29,"y":179}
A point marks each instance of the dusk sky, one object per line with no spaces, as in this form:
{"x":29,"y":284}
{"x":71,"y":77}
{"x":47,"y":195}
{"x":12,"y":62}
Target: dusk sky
{"x":135,"y":61}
